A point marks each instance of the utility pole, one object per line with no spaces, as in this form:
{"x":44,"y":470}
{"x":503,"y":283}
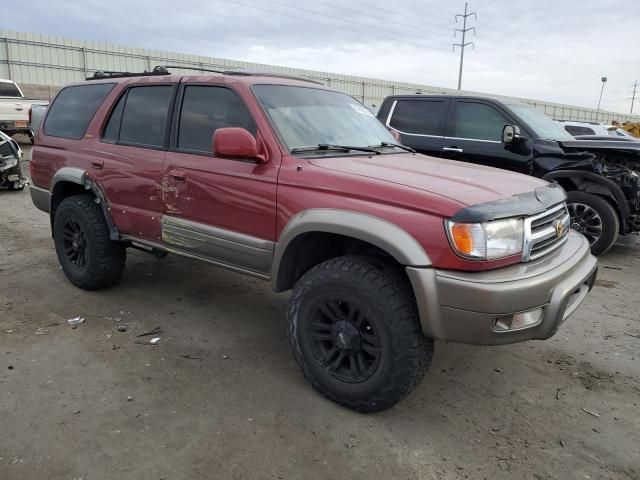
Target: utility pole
{"x":462,"y":44}
{"x":604,"y":80}
{"x":633,"y":94}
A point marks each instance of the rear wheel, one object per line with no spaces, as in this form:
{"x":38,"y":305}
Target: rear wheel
{"x":89,"y":258}
{"x":595,"y":218}
{"x":354,"y":328}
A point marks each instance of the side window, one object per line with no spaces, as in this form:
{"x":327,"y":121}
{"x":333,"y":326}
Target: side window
{"x":204,"y":110}
{"x":422,"y":117}
{"x":577,"y":130}
{"x":478,"y":121}
{"x":112,"y":130}
{"x":73,"y":109}
{"x":144,"y":116}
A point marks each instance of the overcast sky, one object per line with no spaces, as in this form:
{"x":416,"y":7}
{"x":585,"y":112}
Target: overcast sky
{"x":554,"y":50}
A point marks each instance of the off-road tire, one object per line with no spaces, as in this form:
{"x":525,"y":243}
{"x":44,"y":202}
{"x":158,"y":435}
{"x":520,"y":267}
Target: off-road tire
{"x":105,"y":259}
{"x":608,"y":216}
{"x":384,"y":293}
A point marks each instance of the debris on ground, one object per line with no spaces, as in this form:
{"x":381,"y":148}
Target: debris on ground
{"x":155,"y":331}
{"x":225,"y":357}
{"x":351,"y":443}
{"x":74,"y":322}
{"x":41,"y":331}
{"x":153,"y":341}
{"x":10,"y":367}
{"x":129,"y":398}
{"x":558,"y":390}
{"x":122,"y":328}
{"x":590,"y":412}
{"x":191,"y":357}
{"x":77,"y":412}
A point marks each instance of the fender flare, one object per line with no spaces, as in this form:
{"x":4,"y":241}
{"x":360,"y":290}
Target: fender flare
{"x":80,"y":177}
{"x":616,"y":191}
{"x":385,"y":235}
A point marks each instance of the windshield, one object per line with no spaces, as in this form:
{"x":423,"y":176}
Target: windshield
{"x":308,"y":117}
{"x":543,"y":127}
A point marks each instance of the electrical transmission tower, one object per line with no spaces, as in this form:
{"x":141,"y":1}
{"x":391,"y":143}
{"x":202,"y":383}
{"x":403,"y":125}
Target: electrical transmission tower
{"x":633,"y":94}
{"x":463,"y":44}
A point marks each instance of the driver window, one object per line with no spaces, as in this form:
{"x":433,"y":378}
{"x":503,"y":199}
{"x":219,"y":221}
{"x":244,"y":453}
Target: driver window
{"x":478,"y":121}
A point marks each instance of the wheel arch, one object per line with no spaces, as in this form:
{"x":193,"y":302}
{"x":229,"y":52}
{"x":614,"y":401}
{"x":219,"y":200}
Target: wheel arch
{"x":336,"y":232}
{"x":70,"y":181}
{"x":593,"y":183}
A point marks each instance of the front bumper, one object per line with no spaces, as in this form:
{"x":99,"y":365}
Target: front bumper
{"x":465,"y":306}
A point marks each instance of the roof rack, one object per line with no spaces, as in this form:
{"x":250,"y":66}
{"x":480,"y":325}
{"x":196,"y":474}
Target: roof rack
{"x":261,"y":73}
{"x":164,"y":70}
{"x":102,"y":74}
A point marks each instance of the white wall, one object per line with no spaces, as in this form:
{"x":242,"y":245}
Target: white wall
{"x":31,"y":58}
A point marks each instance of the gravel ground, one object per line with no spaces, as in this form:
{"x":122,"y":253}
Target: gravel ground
{"x":220,"y":396}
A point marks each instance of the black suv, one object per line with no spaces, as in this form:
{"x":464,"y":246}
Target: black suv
{"x":601,"y":177}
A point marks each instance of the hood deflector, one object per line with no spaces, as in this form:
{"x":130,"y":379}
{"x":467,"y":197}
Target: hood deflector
{"x":520,"y":205}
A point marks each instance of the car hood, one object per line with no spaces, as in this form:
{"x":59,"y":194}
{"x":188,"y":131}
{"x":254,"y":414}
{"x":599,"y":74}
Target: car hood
{"x":465,"y":183}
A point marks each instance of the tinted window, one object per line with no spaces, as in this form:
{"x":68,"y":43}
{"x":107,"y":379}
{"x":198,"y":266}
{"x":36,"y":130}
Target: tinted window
{"x":144,"y":118}
{"x":73,"y":109}
{"x":112,"y":130}
{"x":478,"y":121}
{"x":9,"y":90}
{"x":204,"y":110}
{"x":418,"y":116}
{"x":575,"y":130}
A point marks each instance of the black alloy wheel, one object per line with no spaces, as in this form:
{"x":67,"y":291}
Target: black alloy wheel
{"x":344,"y":342}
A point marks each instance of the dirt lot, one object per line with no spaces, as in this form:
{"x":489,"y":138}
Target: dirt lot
{"x":220,"y":396}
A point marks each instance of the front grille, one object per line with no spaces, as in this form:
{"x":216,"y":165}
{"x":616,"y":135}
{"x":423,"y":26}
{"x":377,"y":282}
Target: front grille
{"x":545,"y":232}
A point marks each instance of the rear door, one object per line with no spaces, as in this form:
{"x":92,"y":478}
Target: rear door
{"x":474,"y":134}
{"x":221,"y":209}
{"x":420,"y":123}
{"x":133,"y":147}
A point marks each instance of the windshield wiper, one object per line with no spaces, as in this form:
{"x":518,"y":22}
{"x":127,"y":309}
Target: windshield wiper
{"x":397,"y":145}
{"x":327,"y":146}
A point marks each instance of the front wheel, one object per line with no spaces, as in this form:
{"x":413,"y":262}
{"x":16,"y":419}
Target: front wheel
{"x":595,"y":218}
{"x":87,"y":255}
{"x":354,"y":329}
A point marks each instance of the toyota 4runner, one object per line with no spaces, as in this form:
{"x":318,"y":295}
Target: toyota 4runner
{"x":291,"y":182}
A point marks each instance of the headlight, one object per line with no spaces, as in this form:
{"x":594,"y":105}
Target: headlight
{"x":486,"y":241}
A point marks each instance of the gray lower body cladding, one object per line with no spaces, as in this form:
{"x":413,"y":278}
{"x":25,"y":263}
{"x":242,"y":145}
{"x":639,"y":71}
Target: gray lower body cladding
{"x":466,"y":307}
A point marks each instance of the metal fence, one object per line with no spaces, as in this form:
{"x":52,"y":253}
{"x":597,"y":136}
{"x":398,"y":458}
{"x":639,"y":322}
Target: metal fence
{"x":40,"y":60}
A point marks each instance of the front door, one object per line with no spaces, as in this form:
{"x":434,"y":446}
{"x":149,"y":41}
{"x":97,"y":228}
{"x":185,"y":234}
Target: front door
{"x":220,"y":209}
{"x":474,"y":134}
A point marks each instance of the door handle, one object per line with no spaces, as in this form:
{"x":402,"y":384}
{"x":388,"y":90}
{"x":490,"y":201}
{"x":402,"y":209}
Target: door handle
{"x":452,"y":149}
{"x":178,"y":176}
{"x":97,"y":164}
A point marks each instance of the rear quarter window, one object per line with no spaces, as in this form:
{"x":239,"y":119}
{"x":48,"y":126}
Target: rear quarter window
{"x":73,"y":109}
{"x":9,"y":90}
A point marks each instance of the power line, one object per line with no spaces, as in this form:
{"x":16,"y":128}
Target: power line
{"x":462,"y":44}
{"x":500,"y":61}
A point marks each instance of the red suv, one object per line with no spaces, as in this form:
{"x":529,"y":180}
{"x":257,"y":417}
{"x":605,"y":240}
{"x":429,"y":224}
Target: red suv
{"x":291,"y":182}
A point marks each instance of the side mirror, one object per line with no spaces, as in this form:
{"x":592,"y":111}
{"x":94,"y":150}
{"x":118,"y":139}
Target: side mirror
{"x":510,"y":134}
{"x":236,"y":142}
